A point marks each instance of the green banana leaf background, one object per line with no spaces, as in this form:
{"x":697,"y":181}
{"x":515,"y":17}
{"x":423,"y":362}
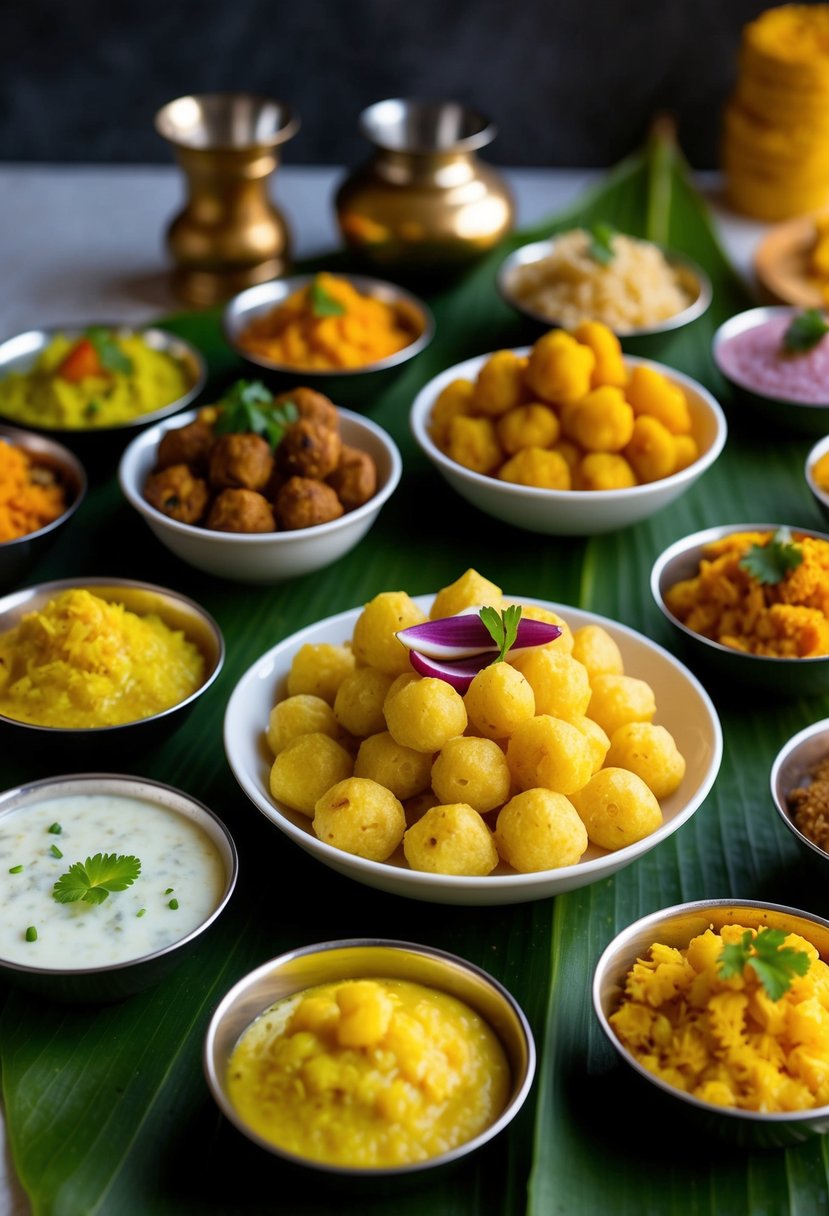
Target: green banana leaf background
{"x":106,"y":1107}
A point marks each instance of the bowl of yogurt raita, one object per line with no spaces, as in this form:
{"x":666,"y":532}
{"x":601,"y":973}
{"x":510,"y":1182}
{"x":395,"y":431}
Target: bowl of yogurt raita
{"x":105,"y":881}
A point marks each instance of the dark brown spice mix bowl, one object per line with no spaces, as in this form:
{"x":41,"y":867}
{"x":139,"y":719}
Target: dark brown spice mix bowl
{"x":794,"y":768}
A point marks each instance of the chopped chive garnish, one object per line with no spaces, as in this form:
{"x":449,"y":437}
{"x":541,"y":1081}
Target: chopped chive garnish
{"x":141,"y":912}
{"x":55,"y":851}
{"x":173,"y":904}
{"x":15,"y":869}
{"x":169,"y":891}
{"x":55,"y":829}
{"x":31,"y":934}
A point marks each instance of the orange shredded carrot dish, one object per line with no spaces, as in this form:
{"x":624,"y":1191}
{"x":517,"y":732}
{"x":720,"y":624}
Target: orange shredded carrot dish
{"x":30,"y":495}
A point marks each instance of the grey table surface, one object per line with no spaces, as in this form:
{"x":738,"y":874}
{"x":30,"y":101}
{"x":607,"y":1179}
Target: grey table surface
{"x":83,"y":243}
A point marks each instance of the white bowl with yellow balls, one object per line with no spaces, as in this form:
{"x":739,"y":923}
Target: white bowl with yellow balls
{"x":569,"y":436}
{"x":500,"y":792}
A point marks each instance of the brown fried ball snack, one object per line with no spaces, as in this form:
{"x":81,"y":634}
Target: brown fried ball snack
{"x":176,"y":492}
{"x":239,"y":510}
{"x":308,"y":450}
{"x":355,"y":478}
{"x":240,"y":460}
{"x":189,"y":445}
{"x":312,"y":406}
{"x":303,"y":502}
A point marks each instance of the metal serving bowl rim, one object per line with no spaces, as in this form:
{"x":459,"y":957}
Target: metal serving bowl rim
{"x":685,"y":545}
{"x":468,"y":143}
{"x":128,"y":785}
{"x":748,"y":319}
{"x":264,"y":539}
{"x":273,"y":292}
{"x":785,"y":753}
{"x":635,"y":929}
{"x":521,"y":1085}
{"x":13,"y":599}
{"x":418,"y":423}
{"x":170,"y":341}
{"x":62,"y":458}
{"x":542,"y":247}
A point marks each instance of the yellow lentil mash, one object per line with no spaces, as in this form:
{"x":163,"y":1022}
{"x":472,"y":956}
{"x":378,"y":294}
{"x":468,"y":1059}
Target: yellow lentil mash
{"x":726,"y":603}
{"x":45,"y":398}
{"x":84,"y":662}
{"x":351,"y":329}
{"x":368,"y":1073}
{"x":725,"y":1041}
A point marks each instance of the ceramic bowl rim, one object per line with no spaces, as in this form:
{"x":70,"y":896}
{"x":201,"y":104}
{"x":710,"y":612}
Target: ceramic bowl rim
{"x":520,"y":1088}
{"x":545,"y":245}
{"x":818,"y":449}
{"x":255,"y":540}
{"x":13,"y":599}
{"x":246,"y":304}
{"x":655,"y":919}
{"x":168,"y":340}
{"x":694,"y":540}
{"x":424,"y":401}
{"x":128,"y":786}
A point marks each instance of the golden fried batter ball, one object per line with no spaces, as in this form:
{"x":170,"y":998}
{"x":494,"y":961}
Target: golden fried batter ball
{"x":617,"y":808}
{"x":355,"y":478}
{"x":178,"y":493}
{"x":539,"y":829}
{"x":238,"y":510}
{"x":303,"y":502}
{"x":308,"y":449}
{"x":360,"y":816}
{"x":189,"y":444}
{"x":311,"y":405}
{"x":451,"y":839}
{"x":240,"y":459}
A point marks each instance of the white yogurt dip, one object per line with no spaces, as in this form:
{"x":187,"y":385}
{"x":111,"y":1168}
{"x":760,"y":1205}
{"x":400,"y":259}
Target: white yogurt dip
{"x":181,"y":882}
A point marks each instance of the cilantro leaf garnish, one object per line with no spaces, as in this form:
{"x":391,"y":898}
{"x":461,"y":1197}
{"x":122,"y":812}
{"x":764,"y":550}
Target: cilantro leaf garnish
{"x":248,"y":406}
{"x":774,"y":963}
{"x":601,"y":248}
{"x":93,"y":880}
{"x":805,"y":331}
{"x":502,"y":627}
{"x":108,"y":350}
{"x":770,"y":563}
{"x":323,"y":303}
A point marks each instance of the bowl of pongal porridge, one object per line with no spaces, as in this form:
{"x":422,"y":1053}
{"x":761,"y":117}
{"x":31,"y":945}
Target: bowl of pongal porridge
{"x":499,"y":794}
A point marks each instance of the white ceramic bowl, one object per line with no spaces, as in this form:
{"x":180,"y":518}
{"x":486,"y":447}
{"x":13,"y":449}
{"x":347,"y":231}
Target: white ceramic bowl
{"x":571,"y":512}
{"x":820,"y":495}
{"x":683,"y":707}
{"x":263,"y":557}
{"x":675,"y":927}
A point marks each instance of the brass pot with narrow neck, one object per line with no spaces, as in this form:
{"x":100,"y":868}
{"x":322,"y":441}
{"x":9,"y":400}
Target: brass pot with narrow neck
{"x":424,"y":203}
{"x":230,"y":234}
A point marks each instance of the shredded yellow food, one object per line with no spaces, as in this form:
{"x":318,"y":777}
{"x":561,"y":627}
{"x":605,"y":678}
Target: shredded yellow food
{"x":724,"y":1040}
{"x":46,"y":398}
{"x":329,"y":325}
{"x":31,"y":495}
{"x":726,"y":603}
{"x":83,"y":662}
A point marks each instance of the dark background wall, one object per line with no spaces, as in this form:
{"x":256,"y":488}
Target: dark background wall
{"x":568,"y":82}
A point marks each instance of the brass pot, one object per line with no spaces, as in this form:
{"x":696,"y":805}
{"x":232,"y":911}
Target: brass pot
{"x":230,"y":234}
{"x":423,"y":203}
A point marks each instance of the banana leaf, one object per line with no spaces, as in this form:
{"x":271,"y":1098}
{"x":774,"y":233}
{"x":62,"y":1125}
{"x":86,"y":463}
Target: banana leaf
{"x":107,"y":1110}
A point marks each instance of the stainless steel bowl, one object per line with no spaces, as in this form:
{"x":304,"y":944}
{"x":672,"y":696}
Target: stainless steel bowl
{"x":346,"y":386}
{"x":793,"y":417}
{"x":118,"y":980}
{"x":675,"y":927}
{"x":98,"y":446}
{"x":18,"y":556}
{"x":354,"y":959}
{"x":690,"y":275}
{"x":737,"y":670}
{"x":76,"y":747}
{"x":793,"y":767}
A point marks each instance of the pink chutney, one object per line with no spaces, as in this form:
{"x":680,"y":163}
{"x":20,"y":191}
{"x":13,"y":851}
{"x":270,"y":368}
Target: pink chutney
{"x":756,"y":360}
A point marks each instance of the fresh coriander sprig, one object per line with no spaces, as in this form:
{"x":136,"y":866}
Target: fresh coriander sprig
{"x":249,"y":406}
{"x":93,"y":880}
{"x":774,"y":963}
{"x":108,"y":350}
{"x":323,"y":303}
{"x":805,"y":331}
{"x":502,"y":627}
{"x":601,"y":248}
{"x":770,"y":563}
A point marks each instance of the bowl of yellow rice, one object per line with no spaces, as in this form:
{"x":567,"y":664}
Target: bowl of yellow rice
{"x":719,"y":1008}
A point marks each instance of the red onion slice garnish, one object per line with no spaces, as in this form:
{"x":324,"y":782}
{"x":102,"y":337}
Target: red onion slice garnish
{"x":459,"y":637}
{"x":459,"y":673}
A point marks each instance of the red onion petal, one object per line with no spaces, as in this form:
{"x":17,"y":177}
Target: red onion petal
{"x":458,"y":637}
{"x":459,"y":673}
